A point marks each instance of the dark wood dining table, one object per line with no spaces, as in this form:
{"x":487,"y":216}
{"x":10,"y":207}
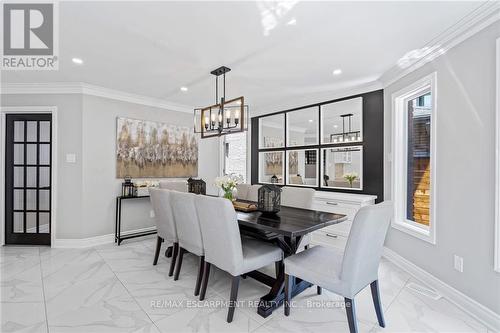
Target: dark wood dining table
{"x":286,"y":229}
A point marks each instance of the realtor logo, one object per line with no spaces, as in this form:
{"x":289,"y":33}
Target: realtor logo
{"x":29,"y":36}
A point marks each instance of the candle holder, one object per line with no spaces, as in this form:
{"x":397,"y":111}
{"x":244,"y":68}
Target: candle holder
{"x":269,"y":199}
{"x":197,"y":186}
{"x":128,"y":188}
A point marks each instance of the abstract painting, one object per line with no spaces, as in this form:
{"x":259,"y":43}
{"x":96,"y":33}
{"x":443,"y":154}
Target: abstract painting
{"x":148,"y":149}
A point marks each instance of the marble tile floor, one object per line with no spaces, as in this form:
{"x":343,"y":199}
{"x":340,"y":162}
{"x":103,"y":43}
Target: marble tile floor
{"x":117,"y":289}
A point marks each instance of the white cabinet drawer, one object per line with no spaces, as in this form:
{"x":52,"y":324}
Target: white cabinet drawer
{"x":331,"y":206}
{"x":342,"y":228}
{"x":328,"y":239}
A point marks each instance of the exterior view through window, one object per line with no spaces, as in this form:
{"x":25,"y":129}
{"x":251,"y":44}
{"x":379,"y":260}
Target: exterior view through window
{"x":419,"y":158}
{"x":235,"y":152}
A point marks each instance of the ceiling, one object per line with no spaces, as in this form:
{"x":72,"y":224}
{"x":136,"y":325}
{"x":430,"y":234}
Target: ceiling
{"x":278,"y":51}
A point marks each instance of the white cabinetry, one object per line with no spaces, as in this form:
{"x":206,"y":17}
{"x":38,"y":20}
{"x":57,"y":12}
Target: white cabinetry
{"x":340,"y":203}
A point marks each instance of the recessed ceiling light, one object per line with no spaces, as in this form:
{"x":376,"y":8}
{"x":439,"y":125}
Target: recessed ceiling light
{"x":337,"y":71}
{"x":77,"y":61}
{"x":184,"y":89}
{"x":310,"y":120}
{"x":293,"y":21}
{"x":335,"y":126}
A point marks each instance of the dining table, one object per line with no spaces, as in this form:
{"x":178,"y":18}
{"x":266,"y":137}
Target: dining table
{"x":286,"y":229}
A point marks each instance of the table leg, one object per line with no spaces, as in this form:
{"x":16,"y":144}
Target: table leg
{"x":276,"y":295}
{"x":168,"y":252}
{"x":116,"y":220}
{"x":119,"y":221}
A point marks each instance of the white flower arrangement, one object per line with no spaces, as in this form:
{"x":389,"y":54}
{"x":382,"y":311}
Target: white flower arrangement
{"x":228,"y":183}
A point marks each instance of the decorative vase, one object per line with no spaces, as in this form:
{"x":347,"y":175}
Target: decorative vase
{"x":228,"y":194}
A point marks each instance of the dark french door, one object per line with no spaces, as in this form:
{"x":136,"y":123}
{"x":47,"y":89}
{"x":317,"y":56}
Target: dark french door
{"x":28,"y":180}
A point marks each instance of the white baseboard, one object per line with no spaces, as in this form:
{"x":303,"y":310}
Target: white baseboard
{"x":94,"y":241}
{"x":486,"y":316}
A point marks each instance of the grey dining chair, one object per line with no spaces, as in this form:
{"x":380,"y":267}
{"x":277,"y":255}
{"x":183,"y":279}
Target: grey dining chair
{"x":346,"y":272}
{"x":225,"y":248}
{"x":165,"y":225}
{"x":253,"y":193}
{"x":242,"y":191}
{"x":175,"y":185}
{"x":301,"y":198}
{"x":188,"y":232}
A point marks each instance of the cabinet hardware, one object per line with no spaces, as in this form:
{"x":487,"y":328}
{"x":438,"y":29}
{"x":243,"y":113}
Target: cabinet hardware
{"x":332,"y":203}
{"x":332,"y":236}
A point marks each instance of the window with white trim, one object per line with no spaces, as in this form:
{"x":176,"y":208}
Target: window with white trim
{"x":414,"y":111}
{"x":235,"y":154}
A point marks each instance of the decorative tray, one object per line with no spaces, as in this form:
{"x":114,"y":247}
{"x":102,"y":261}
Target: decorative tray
{"x":244,"y":206}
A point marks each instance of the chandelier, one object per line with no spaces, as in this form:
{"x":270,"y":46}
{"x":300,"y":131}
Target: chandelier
{"x":225,"y":116}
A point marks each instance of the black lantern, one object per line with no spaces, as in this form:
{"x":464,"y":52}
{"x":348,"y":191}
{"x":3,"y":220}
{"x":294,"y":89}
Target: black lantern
{"x":269,"y":199}
{"x":128,"y":188}
{"x":197,"y":186}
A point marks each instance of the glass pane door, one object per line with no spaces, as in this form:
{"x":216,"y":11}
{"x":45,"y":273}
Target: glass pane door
{"x":28,"y":182}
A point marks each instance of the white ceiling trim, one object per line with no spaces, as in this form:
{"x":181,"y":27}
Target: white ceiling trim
{"x":92,"y":90}
{"x":468,"y":26}
{"x":328,"y":96}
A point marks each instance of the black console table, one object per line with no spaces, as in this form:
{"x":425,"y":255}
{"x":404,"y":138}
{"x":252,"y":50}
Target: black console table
{"x":118,"y":220}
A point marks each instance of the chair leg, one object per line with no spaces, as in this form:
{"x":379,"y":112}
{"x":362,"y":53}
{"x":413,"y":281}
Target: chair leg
{"x":200,"y":275}
{"x":233,"y":298}
{"x":351,"y":315}
{"x":159,"y":240}
{"x":319,"y":291}
{"x":206,"y":275}
{"x":174,"y":259}
{"x":288,"y":294}
{"x":377,"y":303}
{"x":179,"y":263}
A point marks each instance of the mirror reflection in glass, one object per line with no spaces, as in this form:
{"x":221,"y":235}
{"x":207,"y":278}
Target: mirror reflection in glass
{"x":302,"y":168}
{"x":271,"y":167}
{"x":342,"y":121}
{"x":302,"y":127}
{"x":272,"y":131}
{"x":342,"y":168}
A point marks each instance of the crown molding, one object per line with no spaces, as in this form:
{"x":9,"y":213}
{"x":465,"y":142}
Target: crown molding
{"x":90,"y":90}
{"x":341,"y":92}
{"x":483,"y":16}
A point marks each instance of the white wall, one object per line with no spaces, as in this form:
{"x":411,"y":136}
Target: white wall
{"x":465,"y":169}
{"x":87,"y":189}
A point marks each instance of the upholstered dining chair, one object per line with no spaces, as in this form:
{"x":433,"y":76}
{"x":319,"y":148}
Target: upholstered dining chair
{"x":176,"y":185}
{"x":253,"y":192}
{"x":165,"y":225}
{"x":299,"y":197}
{"x":242,"y":191}
{"x":188,"y":232}
{"x":346,"y":272}
{"x":225,"y":248}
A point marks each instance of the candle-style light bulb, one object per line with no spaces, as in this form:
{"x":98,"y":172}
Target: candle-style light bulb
{"x":228,"y":117}
{"x":237,"y":114}
{"x":207,"y":121}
